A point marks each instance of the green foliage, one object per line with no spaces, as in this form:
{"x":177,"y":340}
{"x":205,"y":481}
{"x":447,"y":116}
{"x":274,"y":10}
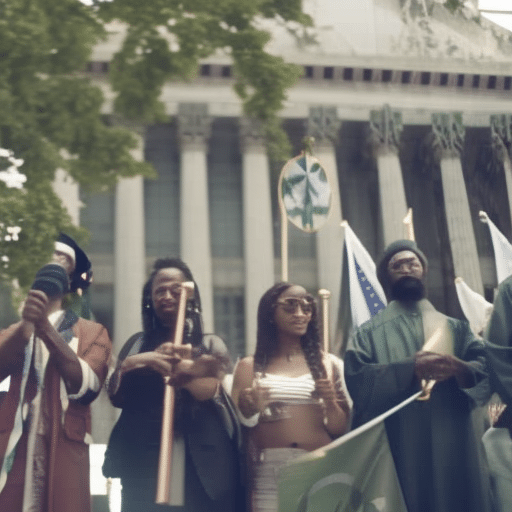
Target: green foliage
{"x":40,"y":223}
{"x":453,"y":5}
{"x":52,"y":115}
{"x":51,"y":118}
{"x":167,"y":38}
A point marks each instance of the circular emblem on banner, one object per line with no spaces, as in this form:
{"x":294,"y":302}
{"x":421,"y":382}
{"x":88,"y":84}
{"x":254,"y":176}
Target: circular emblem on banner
{"x":305,"y":192}
{"x":337,"y":493}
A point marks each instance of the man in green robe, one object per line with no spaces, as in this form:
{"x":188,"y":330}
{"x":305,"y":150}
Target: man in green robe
{"x":498,"y":440}
{"x":402,"y":348}
{"x":498,"y":335}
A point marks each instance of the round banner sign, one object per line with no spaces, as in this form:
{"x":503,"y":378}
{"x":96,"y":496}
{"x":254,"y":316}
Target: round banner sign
{"x":305,"y":192}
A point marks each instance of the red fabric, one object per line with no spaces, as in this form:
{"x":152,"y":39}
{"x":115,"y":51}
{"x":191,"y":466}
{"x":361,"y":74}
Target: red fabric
{"x":69,"y":471}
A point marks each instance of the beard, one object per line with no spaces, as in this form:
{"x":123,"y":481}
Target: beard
{"x":408,"y":289}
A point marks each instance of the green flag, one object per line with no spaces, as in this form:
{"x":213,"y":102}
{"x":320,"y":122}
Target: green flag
{"x":355,"y":473}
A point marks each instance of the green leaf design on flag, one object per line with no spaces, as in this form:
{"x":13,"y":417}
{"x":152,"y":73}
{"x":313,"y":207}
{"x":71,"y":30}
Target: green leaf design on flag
{"x":306,"y":192}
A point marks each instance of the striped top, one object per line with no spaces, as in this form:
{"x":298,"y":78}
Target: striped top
{"x":292,"y":390}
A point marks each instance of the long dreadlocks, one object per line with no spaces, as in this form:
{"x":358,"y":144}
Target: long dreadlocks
{"x":193,"y":323}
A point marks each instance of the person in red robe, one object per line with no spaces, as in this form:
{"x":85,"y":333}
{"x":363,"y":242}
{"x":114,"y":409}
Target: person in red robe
{"x":56,"y":363}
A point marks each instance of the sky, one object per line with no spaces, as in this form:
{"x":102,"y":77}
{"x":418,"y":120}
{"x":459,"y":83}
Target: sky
{"x":503,"y":19}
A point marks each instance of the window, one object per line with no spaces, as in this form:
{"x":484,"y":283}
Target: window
{"x":425,"y":78}
{"x":161,"y":195}
{"x":97,"y":216}
{"x":387,"y":74}
{"x":348,"y":73}
{"x":229,"y":320}
{"x":225,"y":190}
{"x":329,"y":73}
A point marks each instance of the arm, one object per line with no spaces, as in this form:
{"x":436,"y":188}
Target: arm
{"x":376,"y":387}
{"x":203,"y":388}
{"x":335,"y":413}
{"x":201,"y":377}
{"x":476,"y":385}
{"x":35,"y":311}
{"x":337,"y":401}
{"x":439,"y":367}
{"x":242,"y":382}
{"x":467,"y":365}
{"x":199,"y":371}
{"x":94,"y":350}
{"x":130,"y":366}
{"x":65,"y":359}
{"x":249,"y":398}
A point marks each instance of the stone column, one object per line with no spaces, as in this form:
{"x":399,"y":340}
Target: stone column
{"x":128,"y":279}
{"x":129,"y":252}
{"x":386,"y":128}
{"x":323,"y":124}
{"x":448,"y":135}
{"x":194,"y":127}
{"x":258,"y":236}
{"x":501,"y":132}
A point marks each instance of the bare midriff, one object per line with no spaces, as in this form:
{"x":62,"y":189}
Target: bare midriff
{"x":302,"y":428}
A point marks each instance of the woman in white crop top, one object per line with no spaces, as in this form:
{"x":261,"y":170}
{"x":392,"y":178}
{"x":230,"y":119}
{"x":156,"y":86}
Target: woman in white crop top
{"x":290,"y":394}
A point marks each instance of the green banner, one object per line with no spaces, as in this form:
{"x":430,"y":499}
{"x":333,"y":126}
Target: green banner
{"x":355,"y":473}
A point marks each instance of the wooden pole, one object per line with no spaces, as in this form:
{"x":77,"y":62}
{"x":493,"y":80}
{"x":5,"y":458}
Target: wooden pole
{"x":325,"y":295}
{"x":163,"y":489}
{"x":409,"y":225}
{"x":284,"y":230}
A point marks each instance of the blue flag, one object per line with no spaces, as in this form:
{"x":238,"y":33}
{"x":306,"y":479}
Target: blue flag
{"x":366,"y":294}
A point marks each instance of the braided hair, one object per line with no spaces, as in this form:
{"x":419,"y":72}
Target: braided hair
{"x":267,"y":335}
{"x":151,"y":323}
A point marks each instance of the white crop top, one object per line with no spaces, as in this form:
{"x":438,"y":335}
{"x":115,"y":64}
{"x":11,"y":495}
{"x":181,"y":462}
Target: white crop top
{"x":298,"y":390}
{"x":292,"y":390}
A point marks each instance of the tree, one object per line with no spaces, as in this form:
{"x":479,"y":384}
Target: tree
{"x":51,"y":118}
{"x":51,"y":114}
{"x":166,"y":39}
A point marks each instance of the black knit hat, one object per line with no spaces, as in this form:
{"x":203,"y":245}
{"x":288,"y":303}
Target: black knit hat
{"x":390,"y":251}
{"x":53,"y":280}
{"x":82,"y":275}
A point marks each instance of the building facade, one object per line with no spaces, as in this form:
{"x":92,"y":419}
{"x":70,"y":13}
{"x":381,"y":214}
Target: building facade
{"x":410,"y":106}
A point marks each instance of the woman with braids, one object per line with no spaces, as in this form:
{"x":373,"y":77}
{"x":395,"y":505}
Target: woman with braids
{"x":206,"y":432}
{"x":290,"y":395}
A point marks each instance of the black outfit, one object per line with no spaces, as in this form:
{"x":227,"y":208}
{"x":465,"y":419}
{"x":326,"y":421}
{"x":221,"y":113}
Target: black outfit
{"x":209,"y":429}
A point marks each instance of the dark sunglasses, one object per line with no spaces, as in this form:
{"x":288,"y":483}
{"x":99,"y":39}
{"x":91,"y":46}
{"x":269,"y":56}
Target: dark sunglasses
{"x":290,"y":304}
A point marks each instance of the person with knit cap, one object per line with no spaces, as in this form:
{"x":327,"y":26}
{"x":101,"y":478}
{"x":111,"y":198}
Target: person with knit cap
{"x":409,"y":346}
{"x":57,"y":364}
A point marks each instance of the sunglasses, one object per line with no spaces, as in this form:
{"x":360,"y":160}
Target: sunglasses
{"x":290,"y":304}
{"x":409,"y":264}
